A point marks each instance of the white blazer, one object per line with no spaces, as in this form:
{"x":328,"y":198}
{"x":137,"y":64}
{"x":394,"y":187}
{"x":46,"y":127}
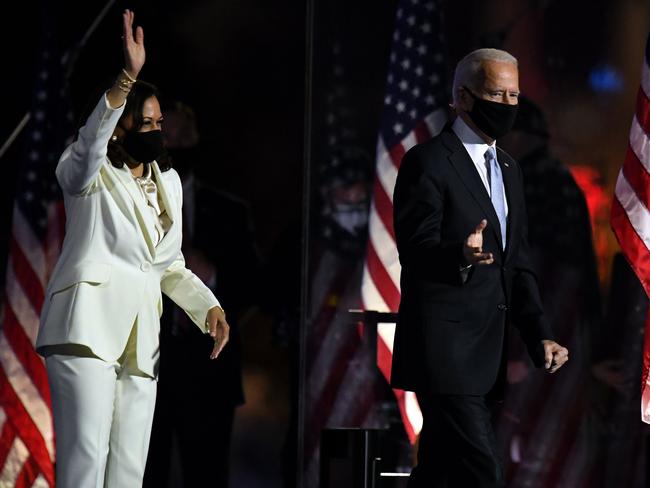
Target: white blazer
{"x":109,"y":272}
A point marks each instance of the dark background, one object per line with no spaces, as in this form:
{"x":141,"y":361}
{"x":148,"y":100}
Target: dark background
{"x":241,"y":65}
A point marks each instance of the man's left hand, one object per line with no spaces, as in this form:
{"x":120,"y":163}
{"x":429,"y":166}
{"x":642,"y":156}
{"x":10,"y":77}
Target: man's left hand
{"x":554,"y":356}
{"x":218,"y":329}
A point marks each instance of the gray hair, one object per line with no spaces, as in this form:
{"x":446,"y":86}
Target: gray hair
{"x":470,"y":67}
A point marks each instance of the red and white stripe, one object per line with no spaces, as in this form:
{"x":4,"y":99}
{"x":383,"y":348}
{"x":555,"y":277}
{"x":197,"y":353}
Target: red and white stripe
{"x":380,"y":288}
{"x":26,"y":428}
{"x":345,"y":395}
{"x":630,"y":217}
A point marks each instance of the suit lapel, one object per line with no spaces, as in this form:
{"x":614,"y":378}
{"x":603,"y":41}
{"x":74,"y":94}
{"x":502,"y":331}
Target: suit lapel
{"x":509,"y":182}
{"x":464,"y":165}
{"x":170,"y":208}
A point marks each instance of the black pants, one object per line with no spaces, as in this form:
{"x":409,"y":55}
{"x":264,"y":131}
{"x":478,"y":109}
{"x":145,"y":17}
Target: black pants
{"x":203,"y":436}
{"x":194,"y":408}
{"x":457,"y":444}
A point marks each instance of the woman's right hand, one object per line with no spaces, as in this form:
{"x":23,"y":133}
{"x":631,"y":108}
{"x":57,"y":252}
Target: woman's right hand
{"x":133,"y":46}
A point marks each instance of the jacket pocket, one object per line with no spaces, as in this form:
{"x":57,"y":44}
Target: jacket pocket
{"x":87,"y":272}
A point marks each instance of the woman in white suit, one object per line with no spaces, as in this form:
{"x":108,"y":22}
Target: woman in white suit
{"x":122,"y":248}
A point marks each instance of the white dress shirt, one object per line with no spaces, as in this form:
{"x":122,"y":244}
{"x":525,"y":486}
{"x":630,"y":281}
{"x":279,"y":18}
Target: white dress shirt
{"x":476,"y":148}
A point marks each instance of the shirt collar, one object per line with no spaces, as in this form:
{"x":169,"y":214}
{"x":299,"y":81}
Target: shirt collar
{"x":146,"y":174}
{"x":473,"y":143}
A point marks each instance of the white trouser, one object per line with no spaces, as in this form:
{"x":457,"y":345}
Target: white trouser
{"x":103,"y":413}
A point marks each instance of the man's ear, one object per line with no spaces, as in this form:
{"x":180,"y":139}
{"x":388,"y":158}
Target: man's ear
{"x":465,"y":101}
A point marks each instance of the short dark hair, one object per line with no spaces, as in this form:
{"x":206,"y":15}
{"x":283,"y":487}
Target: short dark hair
{"x":140,"y":92}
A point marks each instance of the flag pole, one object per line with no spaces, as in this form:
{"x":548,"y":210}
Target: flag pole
{"x":69,"y":59}
{"x":305,"y":241}
{"x":14,"y":134}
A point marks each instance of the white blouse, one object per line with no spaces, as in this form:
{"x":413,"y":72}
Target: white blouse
{"x":149,"y":191}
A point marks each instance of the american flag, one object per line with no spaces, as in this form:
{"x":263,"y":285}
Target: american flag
{"x":630,"y":217}
{"x":26,"y":428}
{"x":345,"y":396}
{"x":414,"y":110}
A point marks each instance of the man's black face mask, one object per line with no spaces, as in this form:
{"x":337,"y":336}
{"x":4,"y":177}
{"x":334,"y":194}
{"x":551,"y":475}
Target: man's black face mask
{"x":493,"y":118}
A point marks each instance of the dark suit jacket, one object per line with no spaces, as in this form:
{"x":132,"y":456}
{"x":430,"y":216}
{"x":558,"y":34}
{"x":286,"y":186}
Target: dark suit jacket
{"x":450,"y":334}
{"x":223,"y":233}
{"x":190,"y":381}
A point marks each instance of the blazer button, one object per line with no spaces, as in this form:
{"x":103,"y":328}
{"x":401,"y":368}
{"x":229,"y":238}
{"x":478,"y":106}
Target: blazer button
{"x":502,"y":307}
{"x":146,"y":266}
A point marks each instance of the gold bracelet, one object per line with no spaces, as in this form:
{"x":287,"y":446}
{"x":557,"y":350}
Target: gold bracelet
{"x":126,"y":73}
{"x":124,"y":85}
{"x":123,"y":88}
{"x":125,"y":81}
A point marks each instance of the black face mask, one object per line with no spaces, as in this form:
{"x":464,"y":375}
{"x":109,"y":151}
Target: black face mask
{"x":144,"y":147}
{"x":493,"y":118}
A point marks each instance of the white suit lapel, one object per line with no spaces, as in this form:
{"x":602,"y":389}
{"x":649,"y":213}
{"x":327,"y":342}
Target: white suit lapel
{"x":164,"y":192}
{"x":168,"y":247}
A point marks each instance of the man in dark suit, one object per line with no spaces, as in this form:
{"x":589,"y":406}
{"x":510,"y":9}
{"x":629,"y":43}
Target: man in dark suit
{"x":460,"y":225}
{"x":228,"y":262}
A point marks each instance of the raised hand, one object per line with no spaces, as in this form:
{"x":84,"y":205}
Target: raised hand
{"x":473,"y":248}
{"x":133,"y":46}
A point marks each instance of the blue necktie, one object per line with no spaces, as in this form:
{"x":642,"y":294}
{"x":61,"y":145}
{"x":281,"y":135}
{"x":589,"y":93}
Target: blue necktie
{"x":495,"y":178}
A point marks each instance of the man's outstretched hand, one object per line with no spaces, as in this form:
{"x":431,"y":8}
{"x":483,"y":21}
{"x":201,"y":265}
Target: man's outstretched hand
{"x":473,"y":248}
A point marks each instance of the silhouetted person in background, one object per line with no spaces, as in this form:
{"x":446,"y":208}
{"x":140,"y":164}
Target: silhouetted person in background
{"x":336,"y":248}
{"x":195,"y":410}
{"x":282,"y":279}
{"x":543,"y":421}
